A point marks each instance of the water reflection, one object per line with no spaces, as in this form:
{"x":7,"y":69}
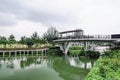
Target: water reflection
{"x":37,"y":68}
{"x":73,"y":68}
{"x":81,"y":62}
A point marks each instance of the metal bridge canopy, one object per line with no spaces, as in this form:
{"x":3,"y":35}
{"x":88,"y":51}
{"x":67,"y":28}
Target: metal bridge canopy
{"x":78,"y":33}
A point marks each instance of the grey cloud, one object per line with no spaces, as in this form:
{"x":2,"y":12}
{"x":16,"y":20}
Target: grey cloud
{"x":10,"y":6}
{"x":45,"y":17}
{"x":44,"y":14}
{"x":6,"y":19}
{"x":8,"y":10}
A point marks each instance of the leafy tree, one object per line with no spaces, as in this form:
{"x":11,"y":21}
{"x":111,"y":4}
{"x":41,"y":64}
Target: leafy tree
{"x":3,"y":40}
{"x":51,"y":34}
{"x":29,"y":42}
{"x":36,"y":38}
{"x":34,"y":35}
{"x":11,"y":39}
{"x":23,"y":40}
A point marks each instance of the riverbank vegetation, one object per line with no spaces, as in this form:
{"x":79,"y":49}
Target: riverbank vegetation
{"x":79,"y":51}
{"x":107,"y":67}
{"x":55,"y":51}
{"x":75,"y":50}
{"x":34,"y":41}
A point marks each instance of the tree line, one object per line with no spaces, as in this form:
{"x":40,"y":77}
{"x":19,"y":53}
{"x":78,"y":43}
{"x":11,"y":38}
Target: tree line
{"x":48,"y":37}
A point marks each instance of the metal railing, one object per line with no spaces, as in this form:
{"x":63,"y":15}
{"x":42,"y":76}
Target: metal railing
{"x":87,"y":37}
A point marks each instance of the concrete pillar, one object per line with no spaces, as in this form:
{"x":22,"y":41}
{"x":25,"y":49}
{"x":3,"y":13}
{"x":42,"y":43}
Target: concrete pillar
{"x":61,"y":47}
{"x":24,"y":53}
{"x":9,"y":54}
{"x":20,"y":53}
{"x":45,"y":52}
{"x":27,"y":53}
{"x":92,"y":46}
{"x":86,"y":45}
{"x":32,"y":53}
{"x":15,"y":53}
{"x":37,"y":53}
{"x":42,"y":52}
{"x":3,"y":54}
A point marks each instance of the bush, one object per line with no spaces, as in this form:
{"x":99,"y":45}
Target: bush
{"x":75,"y":50}
{"x":90,"y":54}
{"x":106,"y":68}
{"x":55,"y":51}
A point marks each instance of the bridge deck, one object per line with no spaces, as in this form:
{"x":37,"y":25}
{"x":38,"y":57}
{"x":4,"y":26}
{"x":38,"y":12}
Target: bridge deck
{"x":89,"y":39}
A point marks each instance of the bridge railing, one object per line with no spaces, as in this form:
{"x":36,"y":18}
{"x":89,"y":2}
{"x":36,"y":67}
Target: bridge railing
{"x":87,"y":37}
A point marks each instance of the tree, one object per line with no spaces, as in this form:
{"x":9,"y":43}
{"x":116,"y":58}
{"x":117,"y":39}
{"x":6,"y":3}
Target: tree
{"x":29,"y":42}
{"x":3,"y":40}
{"x":51,"y":34}
{"x":22,"y":40}
{"x":11,"y":39}
{"x":35,"y":37}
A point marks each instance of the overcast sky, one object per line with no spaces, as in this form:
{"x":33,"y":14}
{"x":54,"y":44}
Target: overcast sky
{"x":24,"y":17}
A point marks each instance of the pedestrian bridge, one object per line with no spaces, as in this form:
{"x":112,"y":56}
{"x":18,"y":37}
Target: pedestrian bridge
{"x":67,"y":39}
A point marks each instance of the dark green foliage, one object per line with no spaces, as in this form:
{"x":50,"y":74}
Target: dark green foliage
{"x":55,"y":51}
{"x":106,"y":68}
{"x":77,"y":50}
{"x":29,"y":42}
{"x":22,"y":41}
{"x":37,"y":39}
{"x":11,"y":39}
{"x":3,"y":40}
{"x":113,"y":54}
{"x":90,"y":54}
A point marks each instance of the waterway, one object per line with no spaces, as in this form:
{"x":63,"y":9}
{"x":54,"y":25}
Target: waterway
{"x":44,"y":68}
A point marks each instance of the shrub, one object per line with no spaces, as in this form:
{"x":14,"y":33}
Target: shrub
{"x":75,"y":50}
{"x":90,"y":54}
{"x":55,"y":51}
{"x":106,"y":68}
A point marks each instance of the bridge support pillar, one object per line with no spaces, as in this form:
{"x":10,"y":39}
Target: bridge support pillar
{"x":3,"y":54}
{"x":86,"y":45}
{"x":9,"y":54}
{"x":65,"y":47}
{"x":20,"y":53}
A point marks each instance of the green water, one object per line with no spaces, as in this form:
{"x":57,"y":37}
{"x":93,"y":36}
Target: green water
{"x":44,"y":68}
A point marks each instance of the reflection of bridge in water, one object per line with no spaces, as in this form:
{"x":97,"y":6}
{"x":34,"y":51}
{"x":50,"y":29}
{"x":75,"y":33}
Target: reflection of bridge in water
{"x":76,"y":62}
{"x":89,"y":42}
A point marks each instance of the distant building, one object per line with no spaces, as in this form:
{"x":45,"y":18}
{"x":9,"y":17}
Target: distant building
{"x":115,"y":36}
